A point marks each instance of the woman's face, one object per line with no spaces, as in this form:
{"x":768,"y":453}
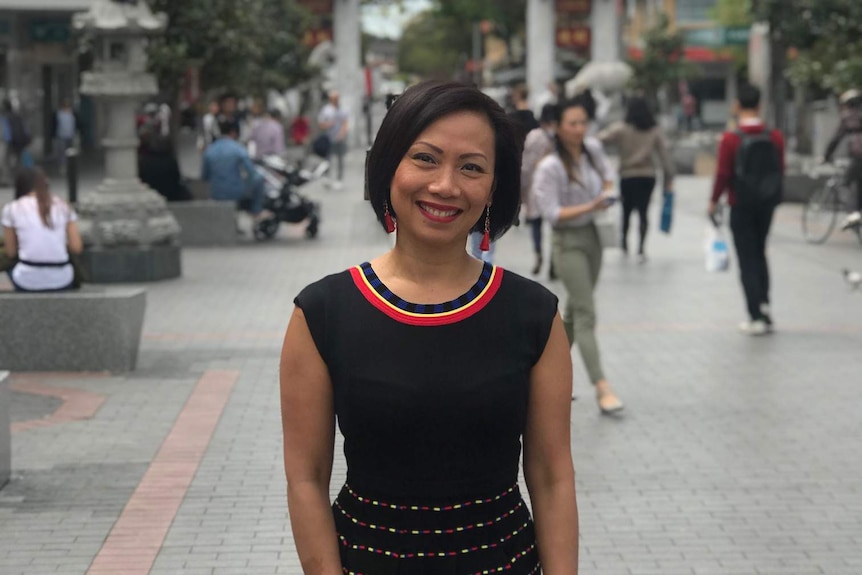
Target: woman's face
{"x":444,"y":181}
{"x":573,"y":126}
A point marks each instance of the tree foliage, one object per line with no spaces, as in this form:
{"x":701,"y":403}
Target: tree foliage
{"x":824,"y":35}
{"x":243,"y":45}
{"x":507,"y":15}
{"x":434,"y":45}
{"x":662,"y":62}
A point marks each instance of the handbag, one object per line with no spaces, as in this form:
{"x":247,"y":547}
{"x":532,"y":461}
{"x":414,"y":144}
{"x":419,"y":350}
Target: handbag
{"x":321,"y":145}
{"x":607,"y":225}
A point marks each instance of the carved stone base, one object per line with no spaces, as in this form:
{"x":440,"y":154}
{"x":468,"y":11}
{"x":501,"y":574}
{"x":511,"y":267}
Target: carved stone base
{"x":131,"y":265}
{"x":125,"y":213}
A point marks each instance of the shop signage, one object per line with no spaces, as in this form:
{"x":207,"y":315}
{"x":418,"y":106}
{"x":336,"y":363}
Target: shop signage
{"x":717,"y":37}
{"x":578,"y":36}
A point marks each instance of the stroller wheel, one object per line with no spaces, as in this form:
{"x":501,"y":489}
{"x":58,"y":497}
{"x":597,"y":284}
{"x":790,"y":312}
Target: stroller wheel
{"x":265,"y":230}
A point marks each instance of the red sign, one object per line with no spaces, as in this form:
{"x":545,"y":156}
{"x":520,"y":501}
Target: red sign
{"x":578,"y":37}
{"x":573,"y":6}
{"x":315,"y":36}
{"x":317,"y":6}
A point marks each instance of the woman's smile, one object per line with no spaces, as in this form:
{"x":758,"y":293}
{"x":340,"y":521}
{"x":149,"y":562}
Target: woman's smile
{"x":438,"y":213}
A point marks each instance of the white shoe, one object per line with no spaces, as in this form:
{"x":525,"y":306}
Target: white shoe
{"x":853,"y":220}
{"x":756,"y":327}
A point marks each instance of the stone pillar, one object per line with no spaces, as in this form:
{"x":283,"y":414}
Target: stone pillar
{"x":540,"y":47}
{"x":5,"y":430}
{"x":129,"y":234}
{"x":348,"y":54}
{"x":607,"y":31}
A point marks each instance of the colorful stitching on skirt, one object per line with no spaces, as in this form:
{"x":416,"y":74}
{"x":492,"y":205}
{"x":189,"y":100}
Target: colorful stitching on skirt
{"x":429,"y":531}
{"x":415,"y":554}
{"x":452,"y":507}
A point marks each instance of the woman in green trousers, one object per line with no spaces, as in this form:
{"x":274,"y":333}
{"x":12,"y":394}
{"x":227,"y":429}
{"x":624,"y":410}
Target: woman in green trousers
{"x":571,"y":186}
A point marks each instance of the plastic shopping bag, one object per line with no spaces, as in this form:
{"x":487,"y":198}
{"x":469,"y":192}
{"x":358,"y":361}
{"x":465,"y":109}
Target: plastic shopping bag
{"x":717,"y":255}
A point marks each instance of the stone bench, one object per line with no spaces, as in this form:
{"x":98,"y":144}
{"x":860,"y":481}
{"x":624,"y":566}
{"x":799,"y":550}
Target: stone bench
{"x":94,"y":329}
{"x":5,"y":431}
{"x":205,"y":222}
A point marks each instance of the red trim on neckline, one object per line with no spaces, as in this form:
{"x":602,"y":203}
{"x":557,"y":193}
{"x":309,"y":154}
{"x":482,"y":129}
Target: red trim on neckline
{"x":431,"y":319}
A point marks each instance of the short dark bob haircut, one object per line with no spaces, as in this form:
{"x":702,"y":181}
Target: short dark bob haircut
{"x":419,"y":107}
{"x":639,"y":115}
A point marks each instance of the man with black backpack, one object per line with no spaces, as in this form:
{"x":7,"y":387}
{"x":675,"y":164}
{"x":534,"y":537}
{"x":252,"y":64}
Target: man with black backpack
{"x":751,"y":172}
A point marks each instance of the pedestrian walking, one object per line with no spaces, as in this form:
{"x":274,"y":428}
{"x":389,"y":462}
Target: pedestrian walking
{"x":17,"y":136}
{"x":571,"y":186}
{"x":436,"y":367}
{"x":751,"y":171}
{"x":268,"y":135}
{"x":209,"y":126}
{"x":641,"y":146}
{"x":524,"y":121}
{"x":539,"y":143}
{"x":64,"y":130}
{"x":334,"y":120}
{"x":850,"y":128}
{"x":40,"y":231}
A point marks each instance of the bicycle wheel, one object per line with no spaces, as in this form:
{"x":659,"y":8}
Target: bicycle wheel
{"x":820,"y":214}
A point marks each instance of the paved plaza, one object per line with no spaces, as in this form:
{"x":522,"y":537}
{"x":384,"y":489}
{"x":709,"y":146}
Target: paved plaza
{"x":734,"y":456}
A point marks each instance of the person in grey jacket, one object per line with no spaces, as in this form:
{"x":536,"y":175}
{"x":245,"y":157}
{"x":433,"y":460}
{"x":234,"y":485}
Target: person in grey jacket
{"x":571,"y":185}
{"x":641,"y":147}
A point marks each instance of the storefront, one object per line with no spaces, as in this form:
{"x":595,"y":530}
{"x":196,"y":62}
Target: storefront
{"x":40,"y":63}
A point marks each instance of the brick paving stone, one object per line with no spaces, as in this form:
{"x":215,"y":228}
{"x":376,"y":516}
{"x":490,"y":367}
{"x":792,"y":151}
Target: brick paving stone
{"x":734,"y":455}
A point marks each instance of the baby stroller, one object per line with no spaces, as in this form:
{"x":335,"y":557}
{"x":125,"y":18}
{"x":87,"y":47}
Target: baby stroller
{"x":283,"y":200}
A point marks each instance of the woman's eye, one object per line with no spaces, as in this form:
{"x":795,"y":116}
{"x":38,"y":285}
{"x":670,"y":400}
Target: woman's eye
{"x":422,"y":157}
{"x":474,"y":168}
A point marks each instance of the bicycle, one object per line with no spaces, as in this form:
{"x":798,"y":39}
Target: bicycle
{"x":820,"y":213}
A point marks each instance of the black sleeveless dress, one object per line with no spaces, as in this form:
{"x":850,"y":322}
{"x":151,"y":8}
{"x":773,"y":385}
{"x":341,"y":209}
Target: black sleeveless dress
{"x":432,"y":402}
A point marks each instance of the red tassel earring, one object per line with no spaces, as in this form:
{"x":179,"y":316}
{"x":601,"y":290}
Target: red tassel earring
{"x":387,"y":218}
{"x":486,"y":237}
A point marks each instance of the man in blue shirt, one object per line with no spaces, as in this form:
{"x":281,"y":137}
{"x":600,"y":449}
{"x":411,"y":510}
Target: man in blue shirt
{"x":230,"y":171}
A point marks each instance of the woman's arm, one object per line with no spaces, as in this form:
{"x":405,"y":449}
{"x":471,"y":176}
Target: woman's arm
{"x":308,"y":422}
{"x":548,"y":467}
{"x":76,"y":245}
{"x":10,"y":242}
{"x":549,"y":181}
{"x":612,"y":133}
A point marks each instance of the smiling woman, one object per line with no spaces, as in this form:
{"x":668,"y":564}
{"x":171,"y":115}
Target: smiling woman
{"x":436,"y":366}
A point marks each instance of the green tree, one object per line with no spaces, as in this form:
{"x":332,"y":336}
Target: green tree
{"x":826,"y":35}
{"x":662,"y":62}
{"x":242,"y":45}
{"x":507,"y":15}
{"x":434,"y":45}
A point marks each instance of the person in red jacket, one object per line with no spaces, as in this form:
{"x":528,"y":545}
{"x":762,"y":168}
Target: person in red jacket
{"x":751,"y":210}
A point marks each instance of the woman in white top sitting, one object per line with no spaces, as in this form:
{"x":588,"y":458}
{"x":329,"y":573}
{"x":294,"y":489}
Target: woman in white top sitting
{"x":40,"y":231}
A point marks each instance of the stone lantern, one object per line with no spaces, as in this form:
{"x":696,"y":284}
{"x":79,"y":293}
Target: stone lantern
{"x":129,"y":234}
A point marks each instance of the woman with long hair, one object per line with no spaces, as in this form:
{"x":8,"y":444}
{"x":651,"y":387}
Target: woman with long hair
{"x":641,"y":146}
{"x":436,"y":367}
{"x":40,"y":230}
{"x":571,"y":186}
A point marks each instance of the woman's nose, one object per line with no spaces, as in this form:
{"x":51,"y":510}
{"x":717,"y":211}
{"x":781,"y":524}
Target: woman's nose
{"x":445,"y":183}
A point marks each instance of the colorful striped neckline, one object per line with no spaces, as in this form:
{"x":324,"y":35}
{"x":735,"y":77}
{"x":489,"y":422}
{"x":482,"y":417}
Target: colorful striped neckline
{"x":468,"y":304}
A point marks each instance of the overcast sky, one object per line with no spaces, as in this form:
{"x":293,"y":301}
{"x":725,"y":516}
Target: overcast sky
{"x":388,"y":21}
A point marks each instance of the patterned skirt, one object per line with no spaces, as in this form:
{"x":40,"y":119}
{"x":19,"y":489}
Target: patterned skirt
{"x":481,"y":536}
